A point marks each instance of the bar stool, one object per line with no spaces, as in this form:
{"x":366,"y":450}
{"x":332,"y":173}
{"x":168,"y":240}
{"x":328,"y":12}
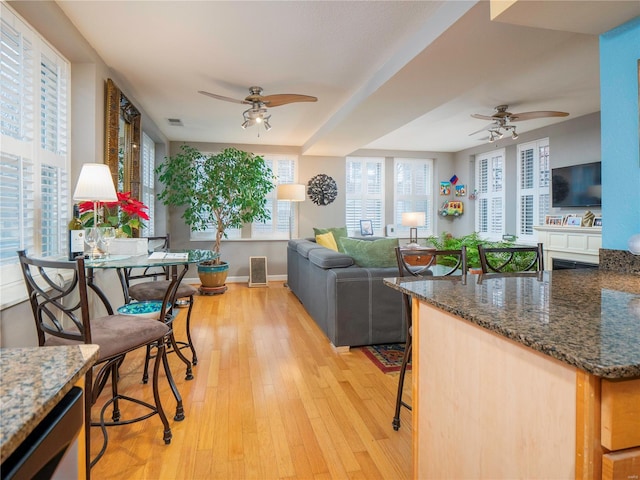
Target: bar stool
{"x":511,"y":259}
{"x":428,"y":264}
{"x":59,"y":300}
{"x":156,"y":289}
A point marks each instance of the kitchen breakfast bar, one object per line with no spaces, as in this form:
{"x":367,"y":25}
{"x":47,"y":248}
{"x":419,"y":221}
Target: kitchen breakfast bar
{"x":531,"y":375}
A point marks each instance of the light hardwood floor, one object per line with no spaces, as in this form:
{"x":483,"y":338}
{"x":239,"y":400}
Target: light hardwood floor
{"x":271,"y":399}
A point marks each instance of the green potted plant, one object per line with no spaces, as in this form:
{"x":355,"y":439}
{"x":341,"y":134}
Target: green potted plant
{"x":446,"y":241}
{"x":225,"y":190}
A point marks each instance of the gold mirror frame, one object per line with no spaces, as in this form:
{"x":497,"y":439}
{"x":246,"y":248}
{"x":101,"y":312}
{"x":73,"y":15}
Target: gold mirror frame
{"x":122,"y":140}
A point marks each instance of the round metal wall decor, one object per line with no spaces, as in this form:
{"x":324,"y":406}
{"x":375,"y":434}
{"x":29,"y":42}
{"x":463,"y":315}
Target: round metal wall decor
{"x":322,"y":189}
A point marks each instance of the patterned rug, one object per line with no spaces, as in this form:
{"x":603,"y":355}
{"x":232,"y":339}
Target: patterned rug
{"x":387,"y":358}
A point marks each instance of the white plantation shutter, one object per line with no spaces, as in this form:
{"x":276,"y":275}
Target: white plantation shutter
{"x":148,"y":194}
{"x":527,"y":184}
{"x":413,"y":180}
{"x":53,"y":102}
{"x":54,"y":205}
{"x":544,"y":180}
{"x":490,"y":195}
{"x":534,"y":175}
{"x":364,"y":195}
{"x":34,"y":162}
{"x":284,"y":168}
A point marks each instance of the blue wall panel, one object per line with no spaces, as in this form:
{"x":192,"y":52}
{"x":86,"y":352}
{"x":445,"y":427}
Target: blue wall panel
{"x":619,"y":55}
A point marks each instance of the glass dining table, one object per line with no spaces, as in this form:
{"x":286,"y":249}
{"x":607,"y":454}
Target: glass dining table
{"x":177,"y":262}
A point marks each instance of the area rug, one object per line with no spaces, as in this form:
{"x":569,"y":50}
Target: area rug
{"x":388,"y":357}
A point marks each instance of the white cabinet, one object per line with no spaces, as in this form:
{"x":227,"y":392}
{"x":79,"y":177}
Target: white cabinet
{"x":578,"y":244}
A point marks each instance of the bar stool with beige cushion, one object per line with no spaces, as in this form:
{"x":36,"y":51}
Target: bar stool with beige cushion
{"x":154,"y":288}
{"x":58,"y":296}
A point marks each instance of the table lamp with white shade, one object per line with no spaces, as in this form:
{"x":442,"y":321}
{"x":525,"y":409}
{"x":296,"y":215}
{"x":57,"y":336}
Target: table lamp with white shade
{"x":291,"y":192}
{"x":413,"y":220}
{"x":95,"y":184}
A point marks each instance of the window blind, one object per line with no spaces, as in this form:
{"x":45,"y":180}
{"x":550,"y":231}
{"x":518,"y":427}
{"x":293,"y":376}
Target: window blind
{"x":534,"y":176}
{"x":364,"y":198}
{"x":489,"y":222}
{"x":34,"y":164}
{"x":284,"y":167}
{"x":413,"y":181}
{"x":148,"y":193}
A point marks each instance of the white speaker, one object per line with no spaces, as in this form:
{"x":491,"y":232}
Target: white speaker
{"x":257,"y":271}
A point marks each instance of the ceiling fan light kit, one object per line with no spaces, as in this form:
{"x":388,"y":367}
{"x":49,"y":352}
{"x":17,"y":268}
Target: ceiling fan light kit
{"x":502,"y":117}
{"x":257,"y":114}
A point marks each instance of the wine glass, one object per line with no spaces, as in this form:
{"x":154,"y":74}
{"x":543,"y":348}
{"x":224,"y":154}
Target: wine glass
{"x":91,"y":238}
{"x":107,"y":234}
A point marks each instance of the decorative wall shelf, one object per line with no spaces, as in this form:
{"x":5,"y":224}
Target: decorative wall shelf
{"x":579,"y":244}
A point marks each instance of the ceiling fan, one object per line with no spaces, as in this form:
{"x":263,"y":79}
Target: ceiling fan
{"x":259,"y":103}
{"x":501,"y":118}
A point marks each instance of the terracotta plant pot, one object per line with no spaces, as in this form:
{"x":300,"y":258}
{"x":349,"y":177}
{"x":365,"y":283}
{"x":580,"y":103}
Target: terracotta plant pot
{"x":213,"y":277}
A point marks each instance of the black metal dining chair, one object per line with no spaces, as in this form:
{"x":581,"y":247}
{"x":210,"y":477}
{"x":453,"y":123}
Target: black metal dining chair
{"x":511,"y":259}
{"x":426,"y":263}
{"x":59,"y":298}
{"x":155,"y":288}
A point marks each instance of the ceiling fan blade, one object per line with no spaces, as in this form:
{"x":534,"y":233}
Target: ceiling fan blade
{"x":486,"y":127}
{"x":518,"y":117}
{"x":284,"y":98}
{"x":226,"y":99}
{"x":482,"y":117}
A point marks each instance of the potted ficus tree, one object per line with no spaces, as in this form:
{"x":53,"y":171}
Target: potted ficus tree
{"x":224,"y":190}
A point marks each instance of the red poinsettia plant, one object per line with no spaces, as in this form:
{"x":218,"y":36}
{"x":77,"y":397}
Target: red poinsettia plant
{"x":126,"y":214}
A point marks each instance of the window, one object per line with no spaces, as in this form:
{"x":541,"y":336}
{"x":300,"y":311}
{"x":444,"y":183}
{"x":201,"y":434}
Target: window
{"x":34,"y":160}
{"x":490,"y":195}
{"x":364,"y":193}
{"x":148,"y":182}
{"x":534,"y":180}
{"x":413,"y":180}
{"x":284,"y":167}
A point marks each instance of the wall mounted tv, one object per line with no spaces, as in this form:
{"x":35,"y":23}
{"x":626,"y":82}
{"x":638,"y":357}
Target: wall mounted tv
{"x":576,"y":186}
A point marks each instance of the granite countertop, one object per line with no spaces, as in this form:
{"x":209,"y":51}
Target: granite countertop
{"x":586,"y":318}
{"x":33,"y":381}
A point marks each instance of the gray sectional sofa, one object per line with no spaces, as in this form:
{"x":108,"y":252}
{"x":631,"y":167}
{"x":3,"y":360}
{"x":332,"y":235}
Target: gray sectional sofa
{"x":349,"y":303}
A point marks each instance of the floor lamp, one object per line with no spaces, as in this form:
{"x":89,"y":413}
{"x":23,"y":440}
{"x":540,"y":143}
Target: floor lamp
{"x":291,"y":192}
{"x":413,"y":220}
{"x":95,"y":184}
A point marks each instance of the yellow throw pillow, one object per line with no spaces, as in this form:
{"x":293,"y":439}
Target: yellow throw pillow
{"x":327,"y":240}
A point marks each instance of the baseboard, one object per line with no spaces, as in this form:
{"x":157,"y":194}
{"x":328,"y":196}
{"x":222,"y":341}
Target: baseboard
{"x":240,"y":279}
{"x":341,"y":349}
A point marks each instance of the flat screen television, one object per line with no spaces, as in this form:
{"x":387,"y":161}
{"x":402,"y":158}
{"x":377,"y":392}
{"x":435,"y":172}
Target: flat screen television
{"x":576,"y":186}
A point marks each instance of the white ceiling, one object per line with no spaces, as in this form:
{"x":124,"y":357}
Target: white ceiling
{"x":388,"y":75}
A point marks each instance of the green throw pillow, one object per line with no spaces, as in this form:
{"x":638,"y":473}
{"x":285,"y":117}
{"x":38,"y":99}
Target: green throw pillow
{"x":338,"y":233}
{"x":371,"y":253}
